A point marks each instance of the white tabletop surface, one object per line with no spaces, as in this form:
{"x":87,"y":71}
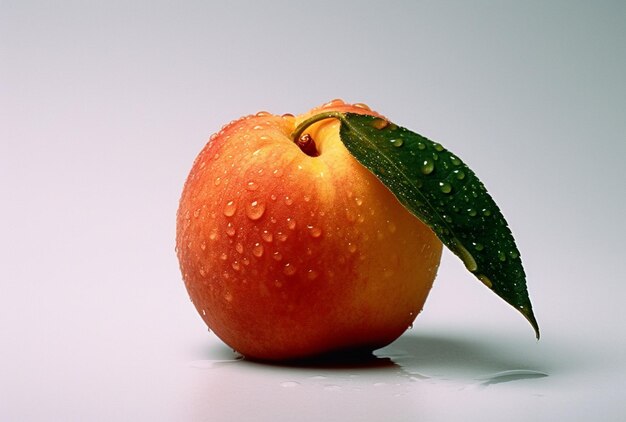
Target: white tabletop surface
{"x":103,"y":108}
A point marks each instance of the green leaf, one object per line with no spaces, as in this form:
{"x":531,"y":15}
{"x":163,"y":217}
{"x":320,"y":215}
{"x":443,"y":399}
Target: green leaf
{"x":438,"y":188}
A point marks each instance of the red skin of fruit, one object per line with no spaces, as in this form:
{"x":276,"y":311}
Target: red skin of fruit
{"x":288,"y":256}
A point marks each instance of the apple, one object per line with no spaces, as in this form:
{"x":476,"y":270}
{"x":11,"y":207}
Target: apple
{"x":291,"y":250}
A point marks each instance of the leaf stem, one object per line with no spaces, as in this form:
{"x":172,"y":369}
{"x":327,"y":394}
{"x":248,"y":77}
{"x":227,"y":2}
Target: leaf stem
{"x":297,"y":133}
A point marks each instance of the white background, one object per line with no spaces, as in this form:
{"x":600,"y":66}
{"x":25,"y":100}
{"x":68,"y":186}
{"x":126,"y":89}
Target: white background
{"x":104,"y":105}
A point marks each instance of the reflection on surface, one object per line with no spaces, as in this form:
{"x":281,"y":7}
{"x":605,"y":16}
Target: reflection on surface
{"x":513,"y":375}
{"x":446,"y":358}
{"x":417,"y":370}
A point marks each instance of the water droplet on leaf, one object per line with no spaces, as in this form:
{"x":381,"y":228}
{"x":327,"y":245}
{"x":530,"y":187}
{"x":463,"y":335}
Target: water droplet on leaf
{"x":427,"y":167}
{"x":379,"y":123}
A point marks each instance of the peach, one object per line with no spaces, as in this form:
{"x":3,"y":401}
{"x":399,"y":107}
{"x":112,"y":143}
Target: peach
{"x":291,"y":250}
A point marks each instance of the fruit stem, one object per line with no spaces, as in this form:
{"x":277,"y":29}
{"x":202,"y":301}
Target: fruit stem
{"x":296,"y":134}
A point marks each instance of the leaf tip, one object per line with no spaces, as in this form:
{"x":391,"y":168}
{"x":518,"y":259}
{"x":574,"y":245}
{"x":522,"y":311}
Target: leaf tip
{"x":530,"y":317}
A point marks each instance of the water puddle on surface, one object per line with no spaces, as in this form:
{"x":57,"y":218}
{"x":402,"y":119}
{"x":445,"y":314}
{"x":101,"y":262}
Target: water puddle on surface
{"x":397,"y":372}
{"x":508,"y":376}
{"x":214,"y":363}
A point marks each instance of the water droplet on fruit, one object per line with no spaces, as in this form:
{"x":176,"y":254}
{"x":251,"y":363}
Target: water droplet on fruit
{"x":263,"y":114}
{"x":479,"y":246}
{"x":472,"y":212}
{"x":501,"y":256}
{"x":437,"y":147}
{"x":427,"y":167}
{"x":239,"y":248}
{"x":235,"y":265}
{"x":282,"y":237}
{"x":486,"y":212}
{"x":306,"y":198}
{"x":217,"y":181}
{"x":277,"y":172}
{"x":334,"y":103}
{"x":397,"y":142}
{"x":362,"y":106}
{"x":421,"y":146}
{"x":203,"y":245}
{"x":230,"y":229}
{"x":228,"y":296}
{"x":223,"y":256}
{"x":257,"y":250}
{"x":445,"y":187}
{"x":252,"y":185}
{"x":230,"y":208}
{"x":291,"y":224}
{"x":267,"y":236}
{"x":289,"y":269}
{"x":359,"y":201}
{"x":459,"y":174}
{"x":213,"y":234}
{"x":314,"y":231}
{"x":351,"y":247}
{"x":277,"y":256}
{"x":455,"y":160}
{"x":255,"y":210}
{"x":288,"y":200}
{"x":379,"y":123}
{"x":311,"y":274}
{"x":513,"y":254}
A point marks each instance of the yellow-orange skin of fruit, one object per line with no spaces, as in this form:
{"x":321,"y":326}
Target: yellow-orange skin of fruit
{"x":288,"y":256}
